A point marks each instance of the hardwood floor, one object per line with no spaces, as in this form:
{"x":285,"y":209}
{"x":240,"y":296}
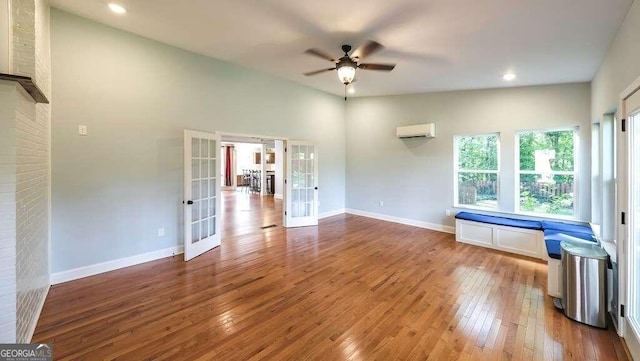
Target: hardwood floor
{"x":352,"y":288}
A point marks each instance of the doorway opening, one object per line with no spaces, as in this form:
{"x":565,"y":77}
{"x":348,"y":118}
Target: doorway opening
{"x":252,"y":179}
{"x":213,"y":162}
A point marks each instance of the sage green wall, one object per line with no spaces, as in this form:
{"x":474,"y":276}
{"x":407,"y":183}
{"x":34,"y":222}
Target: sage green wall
{"x":620,"y":67}
{"x":114,"y":188}
{"x":414,"y":177}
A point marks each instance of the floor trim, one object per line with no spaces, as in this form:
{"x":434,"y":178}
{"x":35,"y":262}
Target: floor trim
{"x":406,"y":221}
{"x":91,"y":270}
{"x":331,"y":213}
{"x":94,"y":269}
{"x":34,"y":320}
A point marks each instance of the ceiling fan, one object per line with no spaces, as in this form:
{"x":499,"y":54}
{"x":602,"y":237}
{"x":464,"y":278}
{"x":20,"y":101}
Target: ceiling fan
{"x":347,"y":64}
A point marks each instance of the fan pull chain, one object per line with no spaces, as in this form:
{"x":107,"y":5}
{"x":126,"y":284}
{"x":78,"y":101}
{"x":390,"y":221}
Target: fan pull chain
{"x":345,"y":92}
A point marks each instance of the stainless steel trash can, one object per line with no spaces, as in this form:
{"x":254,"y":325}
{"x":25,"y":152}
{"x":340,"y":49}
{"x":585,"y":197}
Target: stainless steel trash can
{"x":584,"y":273}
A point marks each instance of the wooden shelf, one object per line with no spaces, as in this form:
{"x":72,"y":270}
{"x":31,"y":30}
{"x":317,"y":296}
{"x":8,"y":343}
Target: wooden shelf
{"x":28,"y":85}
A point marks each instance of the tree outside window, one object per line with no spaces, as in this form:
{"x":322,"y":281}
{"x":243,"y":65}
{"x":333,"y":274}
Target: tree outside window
{"x":476,"y":170}
{"x":547,"y":172}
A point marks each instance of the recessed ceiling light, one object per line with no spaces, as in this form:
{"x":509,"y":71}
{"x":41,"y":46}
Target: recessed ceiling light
{"x":351,"y":90}
{"x":118,"y":9}
{"x":509,"y":76}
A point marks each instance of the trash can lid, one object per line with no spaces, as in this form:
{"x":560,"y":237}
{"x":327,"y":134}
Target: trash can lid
{"x":586,"y":250}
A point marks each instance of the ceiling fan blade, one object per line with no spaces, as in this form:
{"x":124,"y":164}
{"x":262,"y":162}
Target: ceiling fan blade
{"x":367,"y":49}
{"x":319,"y":54}
{"x":318,"y":71}
{"x":382,"y":67}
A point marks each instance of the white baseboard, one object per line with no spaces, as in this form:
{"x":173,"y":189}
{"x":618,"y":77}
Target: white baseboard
{"x":91,"y":270}
{"x":94,"y":269}
{"x":406,"y":221}
{"x":278,"y":196}
{"x":331,"y":213}
{"x":34,"y":321}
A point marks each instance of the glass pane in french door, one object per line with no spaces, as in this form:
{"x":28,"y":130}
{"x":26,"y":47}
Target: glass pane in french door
{"x":634,"y":226}
{"x":203,"y":189}
{"x":302,"y":187}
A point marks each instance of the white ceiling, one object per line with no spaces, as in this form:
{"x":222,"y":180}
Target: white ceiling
{"x":437,"y":44}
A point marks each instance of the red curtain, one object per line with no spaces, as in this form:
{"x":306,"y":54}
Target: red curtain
{"x":227,"y":168}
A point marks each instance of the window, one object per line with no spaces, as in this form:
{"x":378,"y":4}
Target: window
{"x":547,"y":172}
{"x":476,"y":171}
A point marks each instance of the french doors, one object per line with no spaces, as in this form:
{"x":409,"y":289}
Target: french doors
{"x":302,"y":184}
{"x":201,"y":193}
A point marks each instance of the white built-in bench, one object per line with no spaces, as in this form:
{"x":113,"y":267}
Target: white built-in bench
{"x":537,"y":239}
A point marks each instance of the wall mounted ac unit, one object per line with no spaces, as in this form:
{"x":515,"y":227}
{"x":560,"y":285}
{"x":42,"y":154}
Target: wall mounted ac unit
{"x":417,"y":131}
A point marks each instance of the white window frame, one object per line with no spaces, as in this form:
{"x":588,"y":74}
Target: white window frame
{"x":457,"y":171}
{"x":574,"y":173}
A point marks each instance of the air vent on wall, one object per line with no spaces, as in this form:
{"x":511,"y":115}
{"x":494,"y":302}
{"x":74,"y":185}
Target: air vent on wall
{"x":417,"y":131}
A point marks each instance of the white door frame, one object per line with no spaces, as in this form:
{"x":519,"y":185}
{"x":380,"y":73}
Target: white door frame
{"x":622,"y":232}
{"x":263,"y":169}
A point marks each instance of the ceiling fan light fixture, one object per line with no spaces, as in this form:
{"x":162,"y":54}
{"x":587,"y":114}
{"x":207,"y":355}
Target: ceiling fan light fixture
{"x":347,"y":65}
{"x":346,"y":73}
{"x":509,"y":76}
{"x":118,"y":9}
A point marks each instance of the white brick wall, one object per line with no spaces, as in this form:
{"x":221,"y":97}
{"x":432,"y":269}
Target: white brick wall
{"x":25,"y":154}
{"x":43,"y":50}
{"x":32,"y":214}
{"x":23,"y":51}
{"x":5,"y":30}
{"x":33,"y":179}
{"x":8,"y":93}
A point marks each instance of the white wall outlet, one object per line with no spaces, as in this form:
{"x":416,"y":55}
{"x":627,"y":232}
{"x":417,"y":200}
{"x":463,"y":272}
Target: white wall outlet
{"x":160,"y":232}
{"x":82,"y":130}
{"x":381,"y":203}
{"x":448,"y":212}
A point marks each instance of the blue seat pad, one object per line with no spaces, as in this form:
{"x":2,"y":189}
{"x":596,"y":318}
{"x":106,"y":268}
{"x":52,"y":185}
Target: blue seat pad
{"x":501,"y":221}
{"x":554,"y":232}
{"x":567,"y":227}
{"x":553,"y":249}
{"x":553,"y":238}
{"x":564,"y":235}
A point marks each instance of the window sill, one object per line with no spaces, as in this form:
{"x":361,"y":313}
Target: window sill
{"x":548,"y":216}
{"x":477,"y":208}
{"x":519,"y":215}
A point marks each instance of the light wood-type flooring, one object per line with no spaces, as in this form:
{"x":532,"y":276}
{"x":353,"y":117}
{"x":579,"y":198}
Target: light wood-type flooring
{"x":352,"y":288}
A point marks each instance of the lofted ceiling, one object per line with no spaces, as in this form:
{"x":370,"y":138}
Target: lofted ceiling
{"x":437,"y":44}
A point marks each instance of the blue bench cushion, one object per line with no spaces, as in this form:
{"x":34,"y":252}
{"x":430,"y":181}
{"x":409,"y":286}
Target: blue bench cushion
{"x":552,"y":239}
{"x":553,"y":249}
{"x":554,"y":232}
{"x":501,"y":221}
{"x":568,"y":227}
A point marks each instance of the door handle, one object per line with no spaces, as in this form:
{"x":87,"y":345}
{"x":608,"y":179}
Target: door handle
{"x":316,"y":188}
{"x":189,"y":202}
